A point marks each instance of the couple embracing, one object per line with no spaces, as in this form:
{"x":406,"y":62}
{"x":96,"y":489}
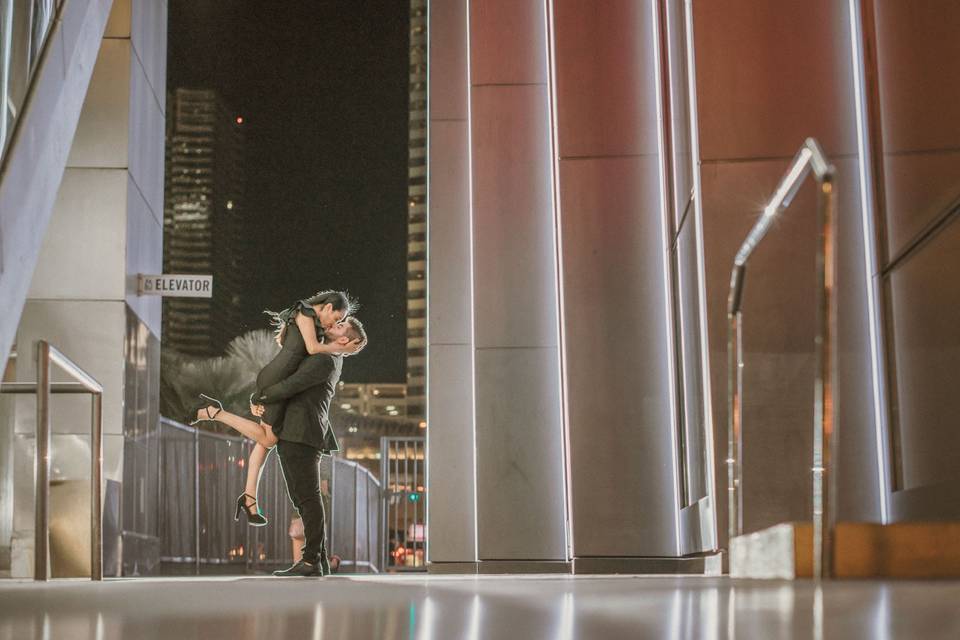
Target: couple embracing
{"x":292,"y":403}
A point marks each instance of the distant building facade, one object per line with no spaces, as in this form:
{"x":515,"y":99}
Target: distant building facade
{"x":417,"y":214}
{"x":203,"y":219}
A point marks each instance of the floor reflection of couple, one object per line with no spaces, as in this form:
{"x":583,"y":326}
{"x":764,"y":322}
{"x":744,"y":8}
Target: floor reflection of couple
{"x":292,"y":403}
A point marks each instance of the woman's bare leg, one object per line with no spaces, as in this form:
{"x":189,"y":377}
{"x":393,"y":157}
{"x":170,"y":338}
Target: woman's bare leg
{"x":258,"y":457}
{"x":260,"y":433}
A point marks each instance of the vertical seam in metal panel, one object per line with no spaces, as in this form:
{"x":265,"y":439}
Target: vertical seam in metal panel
{"x":552,"y":107}
{"x":473,"y":327}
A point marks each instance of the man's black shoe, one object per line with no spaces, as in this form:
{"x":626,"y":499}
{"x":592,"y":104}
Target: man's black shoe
{"x":301,"y":569}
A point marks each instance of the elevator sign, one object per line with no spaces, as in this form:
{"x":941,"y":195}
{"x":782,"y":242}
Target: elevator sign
{"x":176,"y":286}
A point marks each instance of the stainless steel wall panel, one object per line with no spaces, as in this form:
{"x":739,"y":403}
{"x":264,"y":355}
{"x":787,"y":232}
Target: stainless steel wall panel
{"x":520,"y":501}
{"x":919,"y":186}
{"x":508,"y":42}
{"x":681,"y":106}
{"x":118,"y":25}
{"x":148,"y":35}
{"x":450,"y":311}
{"x":88,"y":222}
{"x":102,"y":138}
{"x":515,"y":298}
{"x":146,"y":136}
{"x":452,"y":507}
{"x":606,"y":92}
{"x":623,"y":478}
{"x":521,"y":506}
{"x":767,"y":77}
{"x":89,"y":332}
{"x":924,"y":295}
{"x":696,"y":447}
{"x":448,"y":61}
{"x":451,"y":472}
{"x":919,"y":82}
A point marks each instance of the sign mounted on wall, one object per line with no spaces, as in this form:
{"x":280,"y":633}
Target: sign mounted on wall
{"x":176,"y":286}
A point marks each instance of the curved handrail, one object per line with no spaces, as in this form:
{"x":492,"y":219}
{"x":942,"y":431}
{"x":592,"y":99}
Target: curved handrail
{"x":809,"y":158}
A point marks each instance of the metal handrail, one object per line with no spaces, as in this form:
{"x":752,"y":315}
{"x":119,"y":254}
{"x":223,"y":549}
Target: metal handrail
{"x":810,"y":157}
{"x":47,"y":355}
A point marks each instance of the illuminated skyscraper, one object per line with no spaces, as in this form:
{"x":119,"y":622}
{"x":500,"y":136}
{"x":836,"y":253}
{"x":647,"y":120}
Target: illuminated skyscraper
{"x":417,"y":214}
{"x":203,"y":219}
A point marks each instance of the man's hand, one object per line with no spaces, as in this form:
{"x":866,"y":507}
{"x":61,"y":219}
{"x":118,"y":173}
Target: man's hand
{"x":351,"y":347}
{"x":257,"y":410}
{"x":337,"y":349}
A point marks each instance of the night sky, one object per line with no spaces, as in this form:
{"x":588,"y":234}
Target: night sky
{"x":322,"y":86}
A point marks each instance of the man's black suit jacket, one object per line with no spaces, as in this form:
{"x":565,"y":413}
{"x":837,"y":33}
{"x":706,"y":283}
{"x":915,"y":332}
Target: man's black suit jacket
{"x":308,"y":393}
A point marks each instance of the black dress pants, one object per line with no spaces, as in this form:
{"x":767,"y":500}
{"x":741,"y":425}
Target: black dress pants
{"x":300,"y":466}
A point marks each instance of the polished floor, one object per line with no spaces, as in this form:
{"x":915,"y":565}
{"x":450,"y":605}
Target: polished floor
{"x":441,"y":608}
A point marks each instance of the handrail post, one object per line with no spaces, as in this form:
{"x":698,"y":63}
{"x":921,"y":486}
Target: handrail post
{"x":824,"y":478}
{"x":96,"y":480}
{"x":196,"y":500}
{"x":41,"y":539}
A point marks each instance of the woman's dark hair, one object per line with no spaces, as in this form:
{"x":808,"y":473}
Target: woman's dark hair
{"x":339,"y":300}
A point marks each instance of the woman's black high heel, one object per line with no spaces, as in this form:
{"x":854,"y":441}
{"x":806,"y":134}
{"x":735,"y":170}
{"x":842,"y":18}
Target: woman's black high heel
{"x":206,"y":409}
{"x":254,"y":517}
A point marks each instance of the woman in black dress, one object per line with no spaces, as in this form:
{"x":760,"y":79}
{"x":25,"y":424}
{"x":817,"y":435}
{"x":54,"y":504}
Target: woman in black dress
{"x":300,"y":330}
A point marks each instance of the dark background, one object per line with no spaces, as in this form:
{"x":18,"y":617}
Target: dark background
{"x":322,"y":87}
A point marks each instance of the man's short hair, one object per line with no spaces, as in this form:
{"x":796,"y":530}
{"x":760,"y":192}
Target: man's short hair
{"x":355,"y":331}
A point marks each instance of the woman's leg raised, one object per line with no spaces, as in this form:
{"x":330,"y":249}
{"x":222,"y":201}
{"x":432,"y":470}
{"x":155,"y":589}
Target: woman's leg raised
{"x":260,"y":433}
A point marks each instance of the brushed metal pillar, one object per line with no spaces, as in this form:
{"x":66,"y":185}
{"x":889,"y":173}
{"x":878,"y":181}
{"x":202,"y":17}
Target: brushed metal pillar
{"x":615,"y":225}
{"x":521,"y":493}
{"x":451,"y":439}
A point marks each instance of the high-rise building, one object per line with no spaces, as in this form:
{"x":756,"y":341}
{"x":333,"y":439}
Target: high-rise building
{"x":204,"y":202}
{"x":417,"y":214}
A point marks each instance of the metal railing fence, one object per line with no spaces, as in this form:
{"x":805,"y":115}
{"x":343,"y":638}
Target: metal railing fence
{"x":201,"y":475}
{"x":403,"y":473}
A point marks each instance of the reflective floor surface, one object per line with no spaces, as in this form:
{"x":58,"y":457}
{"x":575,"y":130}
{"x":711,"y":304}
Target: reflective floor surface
{"x":448,"y":607}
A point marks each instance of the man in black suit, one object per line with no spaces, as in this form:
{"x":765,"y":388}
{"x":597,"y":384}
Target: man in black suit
{"x":304,"y":435}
